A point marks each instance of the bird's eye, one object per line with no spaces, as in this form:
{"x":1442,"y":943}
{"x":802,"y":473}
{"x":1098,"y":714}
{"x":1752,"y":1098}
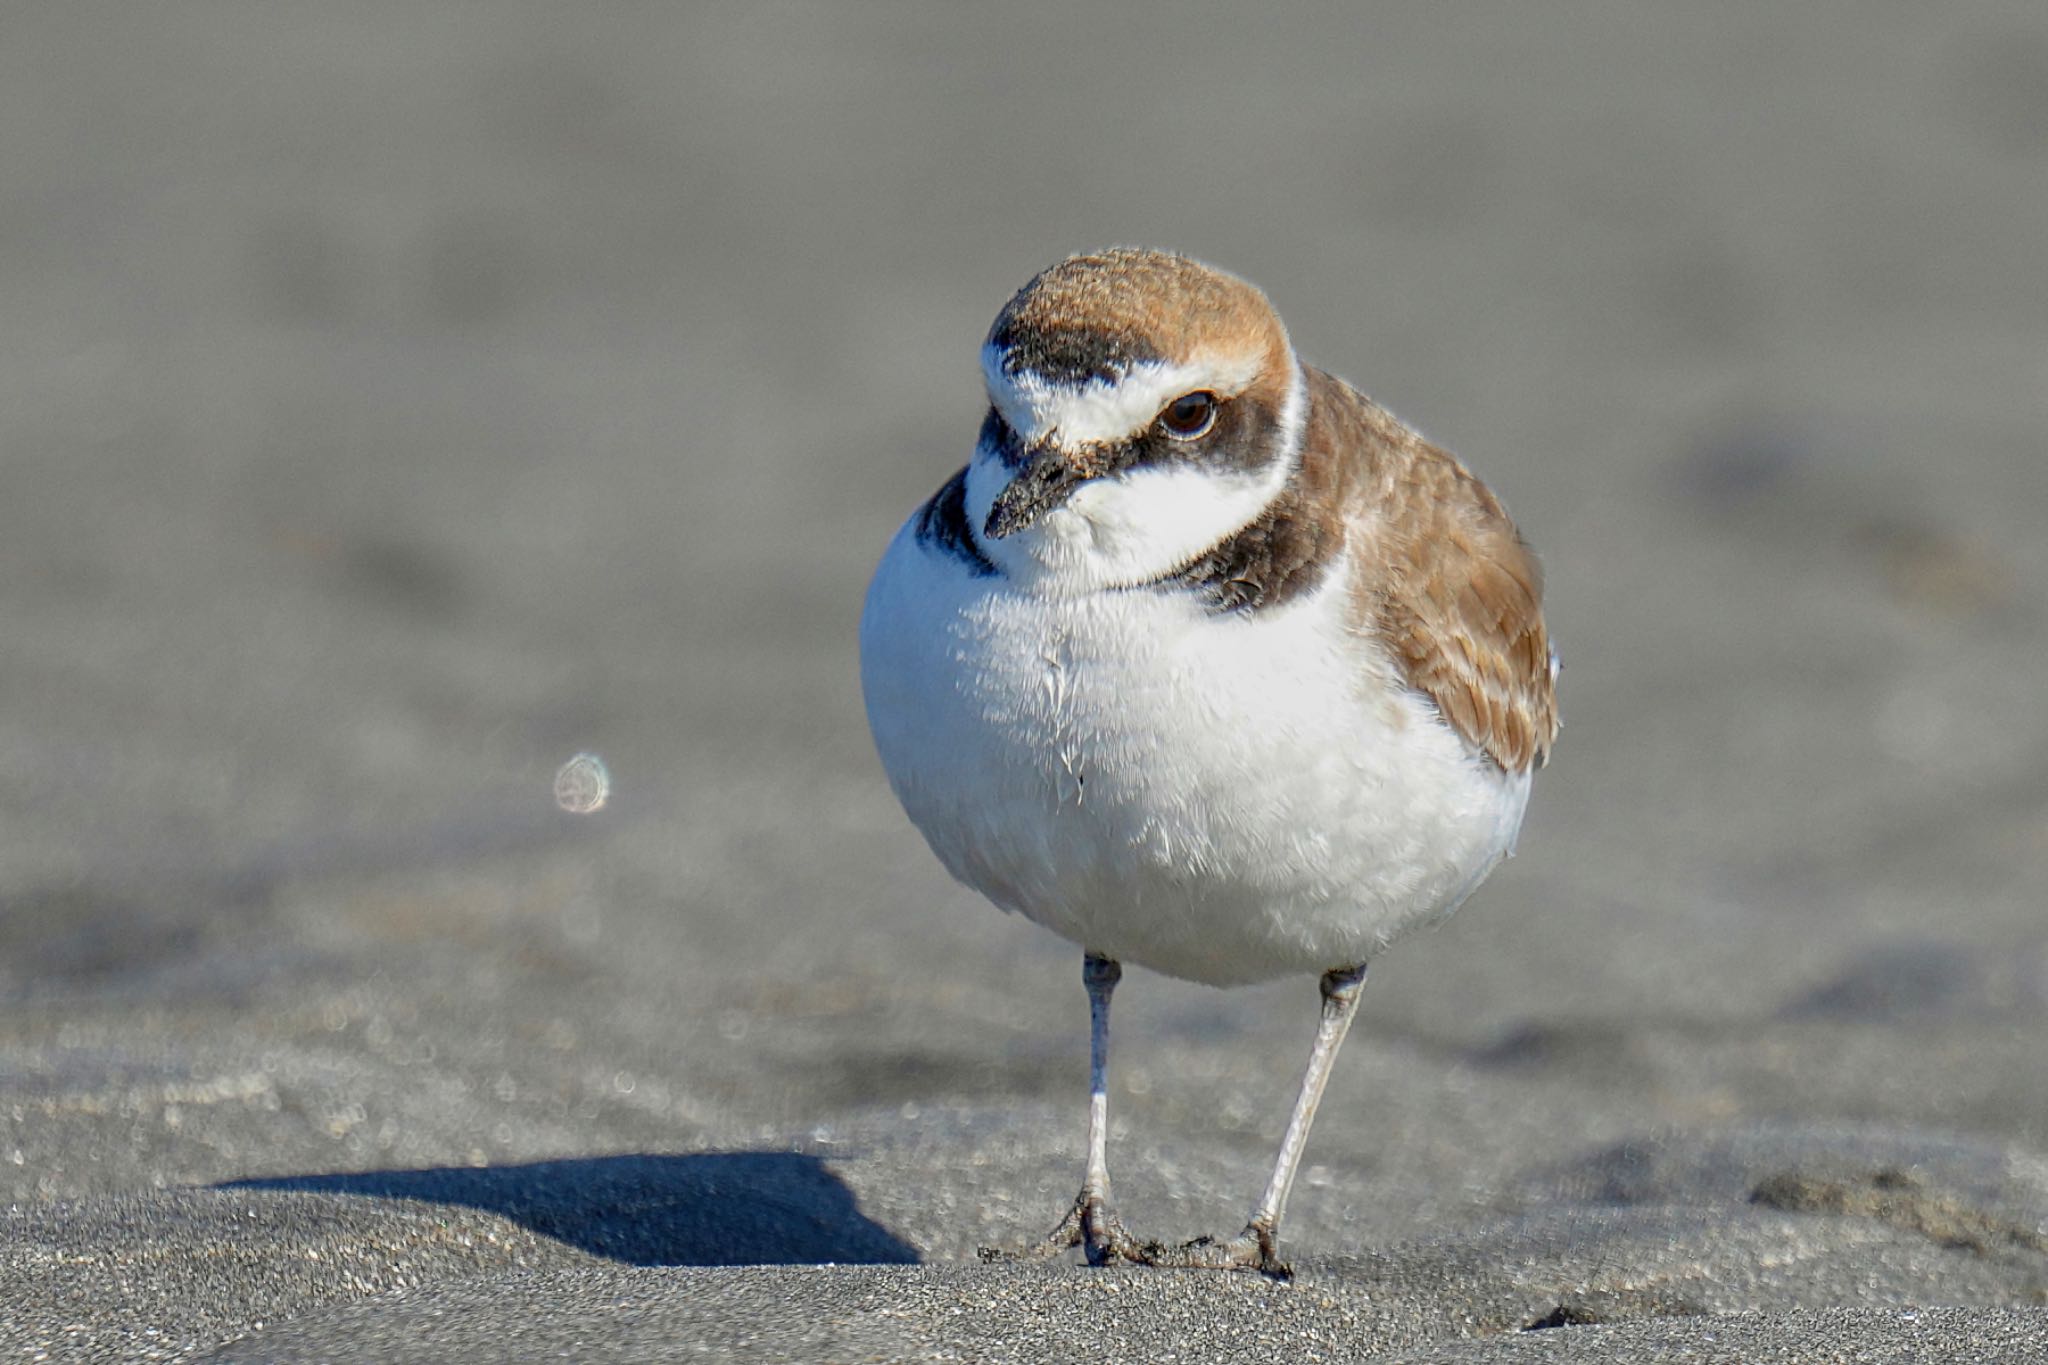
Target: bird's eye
{"x":1189,"y":416}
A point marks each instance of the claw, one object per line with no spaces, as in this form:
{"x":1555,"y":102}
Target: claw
{"x":1067,"y":1235}
{"x":1094,"y":1227}
{"x":1253,"y":1249}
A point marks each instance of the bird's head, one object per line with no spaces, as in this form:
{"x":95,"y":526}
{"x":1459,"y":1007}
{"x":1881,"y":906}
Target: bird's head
{"x":1141,"y":407}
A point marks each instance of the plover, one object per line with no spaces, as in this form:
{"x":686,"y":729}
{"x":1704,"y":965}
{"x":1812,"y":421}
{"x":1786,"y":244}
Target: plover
{"x":1207,"y":663}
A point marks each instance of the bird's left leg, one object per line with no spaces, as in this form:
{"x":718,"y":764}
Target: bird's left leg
{"x":1258,"y":1246}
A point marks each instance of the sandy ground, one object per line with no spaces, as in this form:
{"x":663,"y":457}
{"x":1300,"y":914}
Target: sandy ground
{"x":396,"y":400}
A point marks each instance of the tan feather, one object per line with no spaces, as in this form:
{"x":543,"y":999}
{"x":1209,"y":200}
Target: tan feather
{"x":1442,"y":577}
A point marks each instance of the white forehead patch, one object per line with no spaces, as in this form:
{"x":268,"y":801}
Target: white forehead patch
{"x":1102,"y":410}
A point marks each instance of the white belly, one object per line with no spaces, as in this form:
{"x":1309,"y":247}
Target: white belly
{"x":1221,"y":798}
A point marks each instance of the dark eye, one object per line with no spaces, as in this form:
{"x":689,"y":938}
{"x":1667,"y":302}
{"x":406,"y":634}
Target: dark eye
{"x":1189,"y":416}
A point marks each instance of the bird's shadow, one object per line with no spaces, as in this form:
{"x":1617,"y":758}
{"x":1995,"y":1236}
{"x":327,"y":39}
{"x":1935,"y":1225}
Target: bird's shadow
{"x":709,"y":1208}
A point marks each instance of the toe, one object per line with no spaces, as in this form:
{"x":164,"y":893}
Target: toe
{"x":1071,"y":1232}
{"x":1253,"y":1249}
{"x":1108,"y":1240}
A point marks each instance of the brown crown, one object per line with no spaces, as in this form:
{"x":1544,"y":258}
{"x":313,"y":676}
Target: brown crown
{"x":1094,"y":316}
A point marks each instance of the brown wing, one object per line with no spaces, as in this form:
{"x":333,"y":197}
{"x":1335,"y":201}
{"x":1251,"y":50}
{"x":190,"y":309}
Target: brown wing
{"x":1445,"y":580}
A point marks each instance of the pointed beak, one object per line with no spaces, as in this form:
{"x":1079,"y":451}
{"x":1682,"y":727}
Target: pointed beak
{"x":1048,"y":478}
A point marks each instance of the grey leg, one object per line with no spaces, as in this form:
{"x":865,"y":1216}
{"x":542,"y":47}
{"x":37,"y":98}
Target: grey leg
{"x":1258,"y":1246}
{"x":1100,"y":975}
{"x":1092,"y":1223}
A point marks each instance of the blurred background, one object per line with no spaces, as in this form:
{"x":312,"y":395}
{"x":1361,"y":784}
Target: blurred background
{"x":399,"y":399}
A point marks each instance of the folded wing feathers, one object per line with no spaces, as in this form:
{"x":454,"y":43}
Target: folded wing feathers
{"x":1455,"y":594}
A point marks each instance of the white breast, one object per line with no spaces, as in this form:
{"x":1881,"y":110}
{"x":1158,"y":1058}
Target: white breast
{"x":1222,"y":798}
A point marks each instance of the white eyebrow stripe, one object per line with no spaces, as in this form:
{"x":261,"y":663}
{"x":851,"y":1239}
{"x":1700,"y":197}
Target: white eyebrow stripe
{"x":1100,"y":410}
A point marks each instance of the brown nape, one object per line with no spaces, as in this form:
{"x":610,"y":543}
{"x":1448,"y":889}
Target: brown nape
{"x":1439,"y":574}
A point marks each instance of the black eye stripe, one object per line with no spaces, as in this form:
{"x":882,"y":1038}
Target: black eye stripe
{"x":1237,"y":437}
{"x":1240,"y":435}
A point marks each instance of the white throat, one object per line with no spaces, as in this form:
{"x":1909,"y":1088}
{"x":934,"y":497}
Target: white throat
{"x":1132,"y":527}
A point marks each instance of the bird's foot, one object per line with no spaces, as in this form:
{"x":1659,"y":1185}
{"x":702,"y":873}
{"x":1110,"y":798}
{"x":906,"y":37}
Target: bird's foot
{"x":1092,"y":1225}
{"x":1253,"y":1249}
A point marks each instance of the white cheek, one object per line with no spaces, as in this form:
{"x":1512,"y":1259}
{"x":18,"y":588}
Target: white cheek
{"x":1121,"y":531}
{"x":1150,"y":521}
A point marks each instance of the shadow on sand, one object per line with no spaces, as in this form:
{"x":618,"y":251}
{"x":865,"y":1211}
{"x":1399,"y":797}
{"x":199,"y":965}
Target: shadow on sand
{"x":712,"y":1208}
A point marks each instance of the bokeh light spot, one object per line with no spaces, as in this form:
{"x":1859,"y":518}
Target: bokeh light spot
{"x":583,"y":785}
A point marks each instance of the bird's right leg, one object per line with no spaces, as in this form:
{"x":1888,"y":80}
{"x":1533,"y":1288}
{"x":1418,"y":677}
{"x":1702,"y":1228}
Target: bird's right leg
{"x":1092,"y":1223}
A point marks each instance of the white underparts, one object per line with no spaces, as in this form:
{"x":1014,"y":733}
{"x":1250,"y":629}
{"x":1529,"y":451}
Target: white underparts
{"x":1221,"y":798}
